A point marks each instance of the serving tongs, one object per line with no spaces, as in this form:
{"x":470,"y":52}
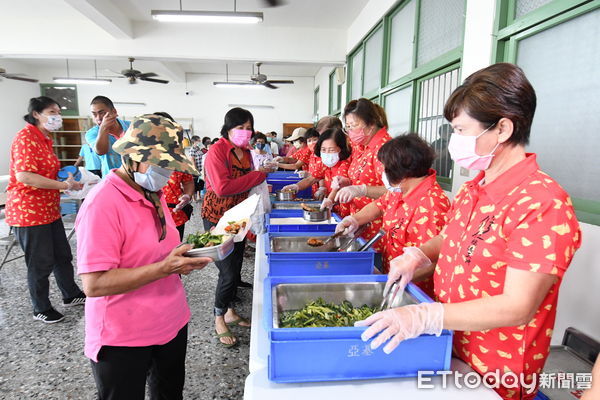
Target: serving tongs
{"x":332,"y":238}
{"x":390,"y":296}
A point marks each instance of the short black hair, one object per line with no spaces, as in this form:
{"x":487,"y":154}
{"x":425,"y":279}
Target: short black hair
{"x":234,"y":117}
{"x":38,"y":104}
{"x":340,"y":139}
{"x":103,"y":100}
{"x":406,"y":156}
{"x":205,"y":140}
{"x":195,"y":138}
{"x":311,"y":133}
{"x":259,"y":135}
{"x":165,"y":115}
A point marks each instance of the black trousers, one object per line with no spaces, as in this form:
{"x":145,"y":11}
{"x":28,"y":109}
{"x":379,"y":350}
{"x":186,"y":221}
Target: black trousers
{"x":229,"y":275}
{"x":121,"y":372}
{"x":181,"y":230}
{"x":47,"y":250}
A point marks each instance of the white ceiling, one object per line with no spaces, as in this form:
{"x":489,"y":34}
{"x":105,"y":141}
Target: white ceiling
{"x":337,"y":14}
{"x":296,"y":39}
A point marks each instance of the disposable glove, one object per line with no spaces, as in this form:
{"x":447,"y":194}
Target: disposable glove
{"x":346,"y":194}
{"x":320,"y":193}
{"x":348,"y":225}
{"x":184,"y":200}
{"x":326,"y":204}
{"x":339,"y":182}
{"x":293,"y":187}
{"x":398,"y":324}
{"x":404,"y":266}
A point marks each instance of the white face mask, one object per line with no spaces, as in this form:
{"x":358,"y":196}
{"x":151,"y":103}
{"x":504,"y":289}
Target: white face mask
{"x":462,"y":151}
{"x":330,"y":159}
{"x":53,"y":122}
{"x":297,"y":144}
{"x":154,"y":179}
{"x":388,"y":185}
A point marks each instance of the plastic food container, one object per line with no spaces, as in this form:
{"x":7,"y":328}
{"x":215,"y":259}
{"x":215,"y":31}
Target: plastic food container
{"x":336,"y":354}
{"x":217,"y":253}
{"x":288,"y":254}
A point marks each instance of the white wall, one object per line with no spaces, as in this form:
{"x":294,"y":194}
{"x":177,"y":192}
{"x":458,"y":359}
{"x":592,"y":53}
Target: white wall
{"x":14,"y":99}
{"x":322,"y":81}
{"x":366,"y":20}
{"x":207,"y":103}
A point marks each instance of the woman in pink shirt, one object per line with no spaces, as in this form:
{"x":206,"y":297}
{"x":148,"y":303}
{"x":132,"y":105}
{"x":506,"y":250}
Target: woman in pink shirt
{"x":136,"y":314}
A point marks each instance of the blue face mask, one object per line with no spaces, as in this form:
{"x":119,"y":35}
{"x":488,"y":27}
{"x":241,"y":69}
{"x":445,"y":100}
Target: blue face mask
{"x":260,"y":146}
{"x":388,"y":186}
{"x":154,"y":179}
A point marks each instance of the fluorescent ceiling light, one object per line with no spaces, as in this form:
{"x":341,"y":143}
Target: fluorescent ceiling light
{"x":129,"y":103}
{"x":88,"y":81}
{"x":251,"y":105}
{"x":233,"y":84}
{"x":219,"y":17}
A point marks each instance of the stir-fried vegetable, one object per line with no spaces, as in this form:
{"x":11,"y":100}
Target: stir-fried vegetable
{"x":318,"y":314}
{"x":204,"y":240}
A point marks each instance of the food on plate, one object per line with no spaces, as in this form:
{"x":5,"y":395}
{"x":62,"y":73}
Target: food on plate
{"x":234,"y":227}
{"x":308,"y":208}
{"x":314,"y":242}
{"x":207,"y":239}
{"x":319,"y":314}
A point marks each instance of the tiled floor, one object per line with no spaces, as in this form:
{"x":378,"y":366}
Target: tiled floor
{"x":40,"y":361}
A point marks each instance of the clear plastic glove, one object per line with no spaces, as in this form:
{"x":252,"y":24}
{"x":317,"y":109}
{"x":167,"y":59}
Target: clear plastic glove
{"x":347,"y":226}
{"x":326,"y":204}
{"x":321,"y":193}
{"x":293,"y":187}
{"x":346,"y":194}
{"x":404,"y":266}
{"x":278,"y":159}
{"x":302,"y":174}
{"x":184,"y":200}
{"x":339,"y":182}
{"x":72,"y":184}
{"x":398,"y":324}
{"x":271,"y":165}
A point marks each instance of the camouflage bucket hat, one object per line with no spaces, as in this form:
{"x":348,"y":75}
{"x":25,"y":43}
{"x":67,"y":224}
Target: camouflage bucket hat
{"x":155,"y":140}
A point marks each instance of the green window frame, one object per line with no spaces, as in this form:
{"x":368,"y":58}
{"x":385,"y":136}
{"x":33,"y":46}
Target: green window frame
{"x":509,"y":31}
{"x":335,"y":102}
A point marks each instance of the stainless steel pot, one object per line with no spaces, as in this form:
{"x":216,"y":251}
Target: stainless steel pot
{"x":286,"y":196}
{"x":316,"y":216}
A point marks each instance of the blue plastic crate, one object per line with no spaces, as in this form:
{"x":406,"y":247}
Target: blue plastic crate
{"x":317,"y":263}
{"x":278,"y":184}
{"x":336,"y":354}
{"x":282,"y":175}
{"x":298,"y":227}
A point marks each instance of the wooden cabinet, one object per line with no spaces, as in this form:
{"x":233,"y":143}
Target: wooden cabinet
{"x":68,"y":141}
{"x":289,"y":128}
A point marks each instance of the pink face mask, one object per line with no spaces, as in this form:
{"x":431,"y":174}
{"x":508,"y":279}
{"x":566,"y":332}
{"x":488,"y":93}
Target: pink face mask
{"x":462,"y":151}
{"x":357,"y":135}
{"x":240,"y":137}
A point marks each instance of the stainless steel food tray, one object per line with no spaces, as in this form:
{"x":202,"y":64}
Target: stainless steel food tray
{"x":294,"y":296}
{"x":297,"y":244}
{"x":217,"y":253}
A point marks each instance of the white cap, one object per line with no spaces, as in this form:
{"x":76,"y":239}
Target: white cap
{"x":296,"y":134}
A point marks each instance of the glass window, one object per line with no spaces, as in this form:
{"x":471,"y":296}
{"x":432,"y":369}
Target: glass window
{"x":402,"y":42}
{"x":398,"y":109}
{"x":373,"y":58}
{"x":357,"y":69}
{"x":316,"y":104}
{"x":562,"y":65}
{"x":523,"y":7}
{"x":432,"y":125}
{"x":441,"y":25}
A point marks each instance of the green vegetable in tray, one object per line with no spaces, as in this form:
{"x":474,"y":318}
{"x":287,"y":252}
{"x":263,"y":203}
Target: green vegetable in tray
{"x":319,"y":314}
{"x":204,"y":240}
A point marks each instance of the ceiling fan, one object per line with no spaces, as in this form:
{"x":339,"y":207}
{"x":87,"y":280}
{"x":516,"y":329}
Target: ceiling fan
{"x":18,"y":77}
{"x":133,"y":75}
{"x":255,"y":79}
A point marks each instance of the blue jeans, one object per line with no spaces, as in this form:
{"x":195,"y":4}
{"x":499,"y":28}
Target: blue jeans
{"x":47,"y":250}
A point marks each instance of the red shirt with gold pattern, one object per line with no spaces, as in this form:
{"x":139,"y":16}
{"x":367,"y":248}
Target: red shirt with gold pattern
{"x":412,"y":220}
{"x":173,"y":191}
{"x":523,"y":220}
{"x":315,"y":167}
{"x":365,"y":168}
{"x":31,"y":151}
{"x":339,"y":169}
{"x":303,"y":155}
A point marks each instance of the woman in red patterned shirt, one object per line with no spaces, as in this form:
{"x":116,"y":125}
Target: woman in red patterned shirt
{"x":367,"y":131}
{"x":33,"y":209}
{"x":414,"y":208}
{"x":510,"y":237}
